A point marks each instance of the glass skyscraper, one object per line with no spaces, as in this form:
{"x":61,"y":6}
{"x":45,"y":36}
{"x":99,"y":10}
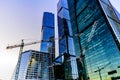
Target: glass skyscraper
{"x":36,"y":65}
{"x":66,"y":46}
{"x":47,"y":45}
{"x":99,"y":37}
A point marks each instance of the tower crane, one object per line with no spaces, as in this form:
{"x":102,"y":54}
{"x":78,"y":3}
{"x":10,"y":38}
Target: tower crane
{"x":30,"y":43}
{"x":50,"y":40}
{"x":21,"y":50}
{"x":100,"y":69}
{"x":21,"y":46}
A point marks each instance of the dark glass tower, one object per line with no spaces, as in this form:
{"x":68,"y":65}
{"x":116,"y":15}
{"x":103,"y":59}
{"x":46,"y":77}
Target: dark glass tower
{"x":99,"y":38}
{"x":47,"y":31}
{"x":66,"y":46}
{"x":47,"y":45}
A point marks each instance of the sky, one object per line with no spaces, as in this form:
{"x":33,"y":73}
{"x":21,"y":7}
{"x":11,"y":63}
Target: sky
{"x":22,"y":19}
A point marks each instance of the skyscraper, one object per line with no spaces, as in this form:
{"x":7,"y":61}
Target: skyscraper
{"x":34,"y":65}
{"x":48,"y":45}
{"x":99,"y":38}
{"x":66,"y":46}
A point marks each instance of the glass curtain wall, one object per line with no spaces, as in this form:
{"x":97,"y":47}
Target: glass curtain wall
{"x":47,"y":33}
{"x":99,"y":39}
{"x":30,"y":66}
{"x":66,"y":46}
{"x":48,"y":45}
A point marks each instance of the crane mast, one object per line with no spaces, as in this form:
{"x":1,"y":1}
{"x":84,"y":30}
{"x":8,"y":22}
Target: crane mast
{"x":51,"y":39}
{"x":21,"y":50}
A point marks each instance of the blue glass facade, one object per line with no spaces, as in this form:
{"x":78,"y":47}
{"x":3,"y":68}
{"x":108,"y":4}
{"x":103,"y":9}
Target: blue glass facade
{"x":34,"y":65}
{"x":66,"y":45}
{"x":99,"y":38}
{"x":112,"y":19}
{"x":48,"y":19}
{"x":64,"y":29}
{"x":48,"y":45}
{"x":47,"y":33}
{"x":30,"y":66}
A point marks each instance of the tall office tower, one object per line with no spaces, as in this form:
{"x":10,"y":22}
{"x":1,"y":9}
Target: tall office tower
{"x":47,"y":44}
{"x":31,"y":64}
{"x":98,"y":39}
{"x":66,"y":46}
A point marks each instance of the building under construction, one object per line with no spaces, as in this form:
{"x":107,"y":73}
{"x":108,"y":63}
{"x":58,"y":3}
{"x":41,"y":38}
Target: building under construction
{"x":32,"y":64}
{"x":35,"y":65}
